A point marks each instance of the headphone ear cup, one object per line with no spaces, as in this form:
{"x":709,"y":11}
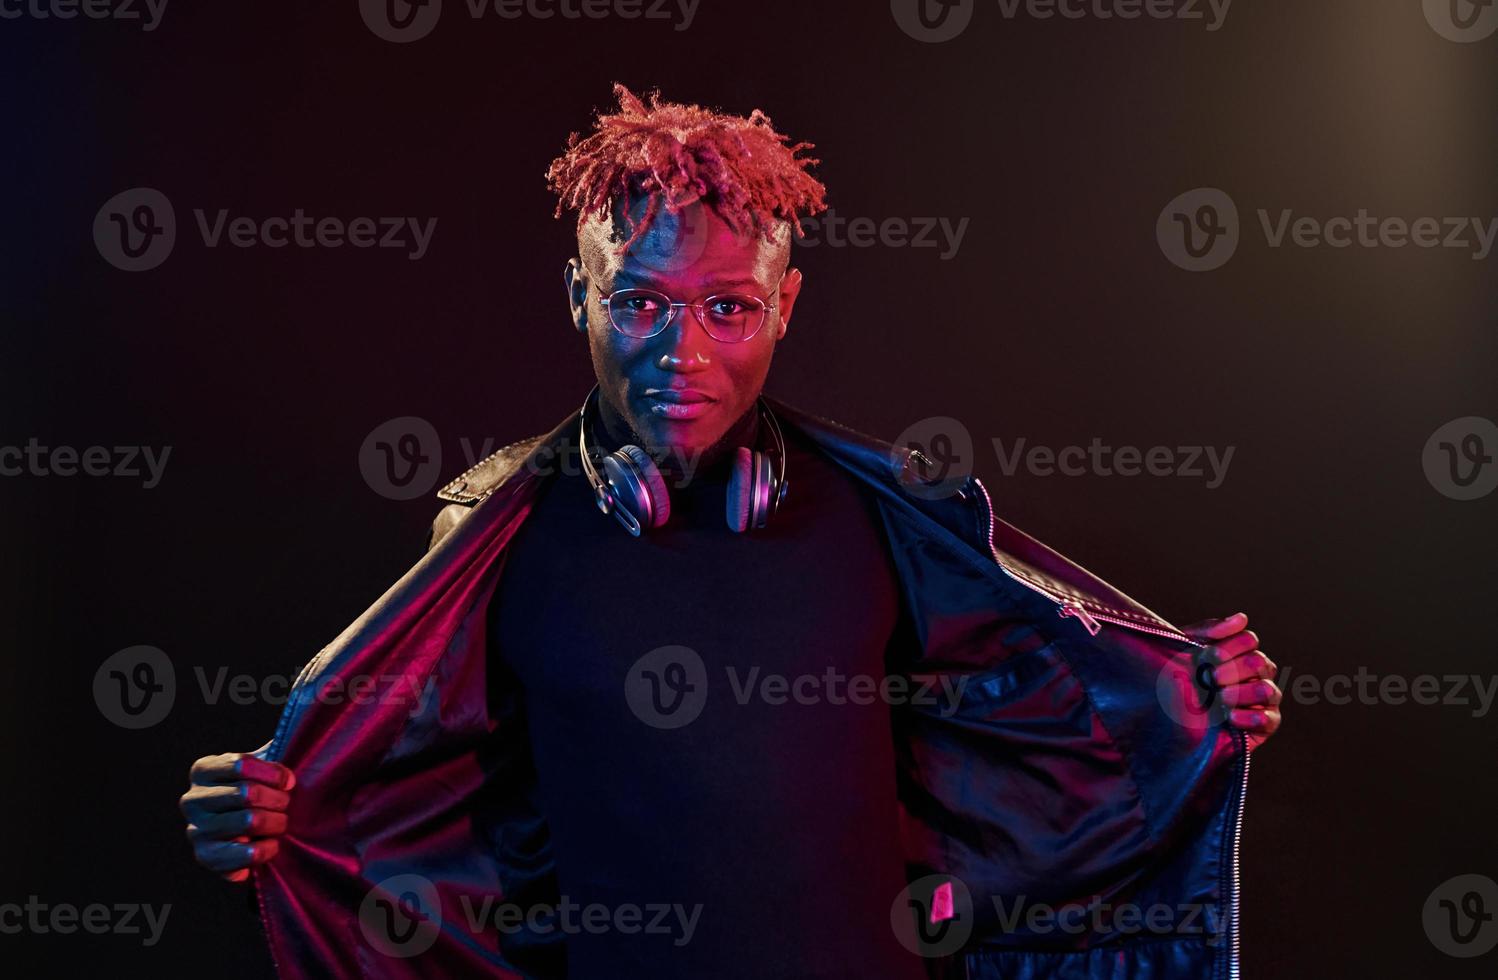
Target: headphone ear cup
{"x":652,"y":503}
{"x":740,"y":492}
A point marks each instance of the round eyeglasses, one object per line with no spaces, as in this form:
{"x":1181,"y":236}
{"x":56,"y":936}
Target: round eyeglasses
{"x":728,"y":317}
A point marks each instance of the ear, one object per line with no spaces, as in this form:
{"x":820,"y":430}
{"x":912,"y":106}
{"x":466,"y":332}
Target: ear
{"x":790,"y":288}
{"x":577,"y":293}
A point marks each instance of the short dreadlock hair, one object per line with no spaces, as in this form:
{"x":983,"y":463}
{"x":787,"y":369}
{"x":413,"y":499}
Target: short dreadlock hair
{"x":678,"y":154}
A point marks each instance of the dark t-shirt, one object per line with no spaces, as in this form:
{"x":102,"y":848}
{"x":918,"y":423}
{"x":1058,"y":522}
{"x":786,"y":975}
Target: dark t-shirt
{"x":760,"y":838}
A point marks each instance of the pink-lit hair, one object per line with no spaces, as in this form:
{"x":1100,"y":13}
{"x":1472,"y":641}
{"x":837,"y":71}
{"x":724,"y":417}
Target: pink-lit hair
{"x":678,"y":154}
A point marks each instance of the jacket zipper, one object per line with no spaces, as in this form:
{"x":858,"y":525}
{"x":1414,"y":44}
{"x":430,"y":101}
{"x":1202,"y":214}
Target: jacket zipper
{"x":1235,"y":904}
{"x":1093,"y":621}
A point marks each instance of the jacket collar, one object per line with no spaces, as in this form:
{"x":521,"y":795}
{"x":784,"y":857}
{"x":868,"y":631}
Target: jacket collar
{"x":965,"y":512}
{"x":872,"y":459}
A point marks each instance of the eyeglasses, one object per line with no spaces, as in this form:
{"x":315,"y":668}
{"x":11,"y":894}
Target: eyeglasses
{"x":643,"y":313}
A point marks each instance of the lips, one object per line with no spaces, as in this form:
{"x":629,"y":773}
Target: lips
{"x":678,"y":396}
{"x":678,"y":404}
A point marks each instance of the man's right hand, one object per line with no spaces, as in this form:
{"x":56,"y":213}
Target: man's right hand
{"x":236,"y":810}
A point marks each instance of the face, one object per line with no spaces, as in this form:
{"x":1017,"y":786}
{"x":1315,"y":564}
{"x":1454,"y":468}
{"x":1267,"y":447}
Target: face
{"x":681,"y":390}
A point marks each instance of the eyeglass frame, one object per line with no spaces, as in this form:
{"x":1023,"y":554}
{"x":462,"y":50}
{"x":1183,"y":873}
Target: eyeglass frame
{"x":672,"y":306}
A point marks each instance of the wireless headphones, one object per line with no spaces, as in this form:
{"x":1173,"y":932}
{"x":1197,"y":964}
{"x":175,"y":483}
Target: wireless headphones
{"x":632,"y":489}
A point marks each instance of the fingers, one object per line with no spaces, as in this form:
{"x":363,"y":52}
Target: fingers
{"x":243,"y":874}
{"x":200,"y":800}
{"x":228,"y":856}
{"x":1250,"y":666}
{"x":238,"y":823}
{"x":233,"y":767}
{"x":1253,"y":694}
{"x":1217,"y":629}
{"x":1260,"y":722}
{"x":235,"y":810}
{"x":1233,"y":646}
{"x":1244,"y":673}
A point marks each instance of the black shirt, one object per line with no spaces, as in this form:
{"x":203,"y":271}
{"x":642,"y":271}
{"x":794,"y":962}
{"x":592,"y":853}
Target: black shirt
{"x":760,"y":838}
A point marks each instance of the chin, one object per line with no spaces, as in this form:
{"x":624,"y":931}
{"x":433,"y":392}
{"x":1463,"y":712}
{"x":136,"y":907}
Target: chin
{"x":683,"y":435}
{"x":687,"y":432}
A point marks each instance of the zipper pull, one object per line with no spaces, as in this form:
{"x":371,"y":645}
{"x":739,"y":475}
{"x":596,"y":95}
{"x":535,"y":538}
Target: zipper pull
{"x":1072,"y":609}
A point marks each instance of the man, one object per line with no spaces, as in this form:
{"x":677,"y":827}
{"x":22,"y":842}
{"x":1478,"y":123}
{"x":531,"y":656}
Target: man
{"x":591,"y":719}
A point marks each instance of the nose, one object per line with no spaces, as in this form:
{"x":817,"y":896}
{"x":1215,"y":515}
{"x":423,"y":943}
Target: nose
{"x":685,"y":345}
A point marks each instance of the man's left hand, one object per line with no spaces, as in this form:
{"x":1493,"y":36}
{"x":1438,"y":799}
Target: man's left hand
{"x":1244,"y":673}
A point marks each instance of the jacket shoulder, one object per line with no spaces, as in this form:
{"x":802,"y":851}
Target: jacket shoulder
{"x":477,"y":482}
{"x":483,"y":477}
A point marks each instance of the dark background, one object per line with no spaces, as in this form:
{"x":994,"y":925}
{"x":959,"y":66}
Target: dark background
{"x":1058,"y":321}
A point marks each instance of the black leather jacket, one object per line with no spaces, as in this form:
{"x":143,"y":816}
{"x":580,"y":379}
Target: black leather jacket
{"x":1063,"y":781}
